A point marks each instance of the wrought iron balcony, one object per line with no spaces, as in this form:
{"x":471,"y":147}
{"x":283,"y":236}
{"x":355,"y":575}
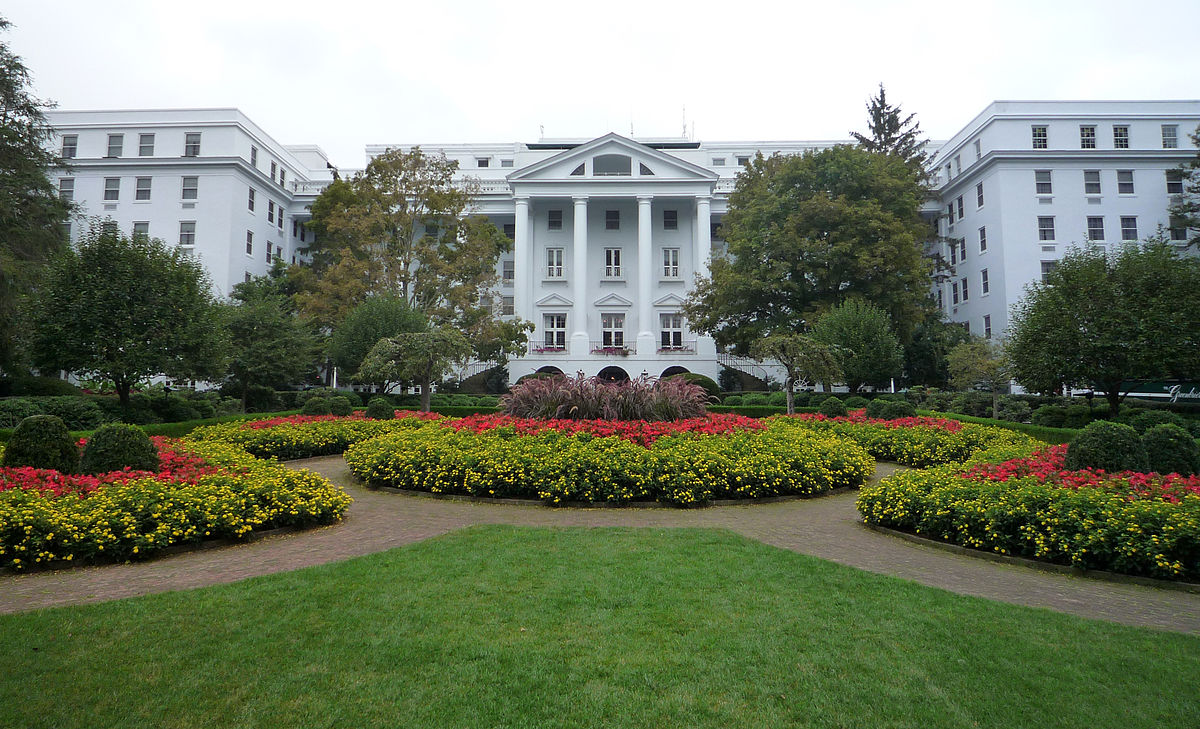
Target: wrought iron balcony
{"x":612,"y":350}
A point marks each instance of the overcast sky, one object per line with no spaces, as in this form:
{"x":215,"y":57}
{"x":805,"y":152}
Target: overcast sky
{"x":345,"y":74}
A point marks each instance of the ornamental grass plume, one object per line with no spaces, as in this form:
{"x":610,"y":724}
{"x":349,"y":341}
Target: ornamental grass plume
{"x":591,"y":398}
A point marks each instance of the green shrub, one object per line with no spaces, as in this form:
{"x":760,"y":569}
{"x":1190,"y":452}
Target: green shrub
{"x":729,"y":379}
{"x":487,"y":401}
{"x":1144,"y":420}
{"x":204,"y":408}
{"x":876,"y":408}
{"x":118,"y":446}
{"x":38,"y":386}
{"x":260,"y":399}
{"x":380,"y":408}
{"x":897,"y":410}
{"x":316,"y":406}
{"x":1078,"y":416}
{"x":833,"y":407}
{"x":816,"y":398}
{"x":755,"y":398}
{"x":340,"y":405}
{"x":711,"y":388}
{"x":1171,"y":449}
{"x":777,"y":398}
{"x":1109,"y":446}
{"x":753,"y":411}
{"x":1018,"y":411}
{"x":174,"y":409}
{"x":42,"y":441}
{"x":441,"y":398}
{"x":977,"y":404}
{"x":857,"y":402}
{"x":15,"y":409}
{"x":802,"y":398}
{"x":733,"y":400}
{"x":1050,"y":416}
{"x":462,"y":401}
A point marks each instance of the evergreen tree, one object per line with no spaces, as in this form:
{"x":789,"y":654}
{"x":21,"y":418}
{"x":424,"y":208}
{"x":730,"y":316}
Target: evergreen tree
{"x":1185,"y":213}
{"x":890,"y":132}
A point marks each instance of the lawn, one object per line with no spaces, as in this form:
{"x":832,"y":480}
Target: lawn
{"x":520,"y":627}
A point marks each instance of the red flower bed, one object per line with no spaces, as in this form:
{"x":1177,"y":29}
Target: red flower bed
{"x":301,"y":419}
{"x":175,"y":466}
{"x":1047,"y":465}
{"x":859,"y":417}
{"x":642,"y":432}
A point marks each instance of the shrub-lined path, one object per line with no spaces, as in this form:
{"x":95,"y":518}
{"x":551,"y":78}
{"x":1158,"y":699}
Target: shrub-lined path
{"x":826,"y":527}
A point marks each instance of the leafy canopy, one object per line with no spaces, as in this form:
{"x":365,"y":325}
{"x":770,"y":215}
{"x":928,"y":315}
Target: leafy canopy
{"x":868,"y":350}
{"x":269,"y":344}
{"x":377,"y":318}
{"x":805,"y":359}
{"x":980,"y":363}
{"x":419,"y":357}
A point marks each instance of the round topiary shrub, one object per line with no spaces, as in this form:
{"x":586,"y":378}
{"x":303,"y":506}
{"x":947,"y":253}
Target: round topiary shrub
{"x":487,"y":401}
{"x":316,"y":406}
{"x":857,"y":402}
{"x":833,"y":407}
{"x":1144,"y":420}
{"x":755,"y":398}
{"x":117,"y":446}
{"x":876,"y":408}
{"x":1171,"y":449}
{"x":896,"y":410}
{"x":801,"y":398}
{"x":380,"y":408}
{"x":42,"y":441}
{"x":695,"y":378}
{"x":1108,"y":446}
{"x":1049,"y":416}
{"x":340,"y":405}
{"x":733,"y":400}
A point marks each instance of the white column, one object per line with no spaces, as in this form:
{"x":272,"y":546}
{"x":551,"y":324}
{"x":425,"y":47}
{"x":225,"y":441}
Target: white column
{"x":522,"y":257}
{"x":645,"y":307}
{"x":580,"y":340}
{"x":703,"y":236}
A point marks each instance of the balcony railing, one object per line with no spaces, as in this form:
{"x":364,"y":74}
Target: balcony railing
{"x":541,"y":348}
{"x":686,"y":347}
{"x":612,"y":350}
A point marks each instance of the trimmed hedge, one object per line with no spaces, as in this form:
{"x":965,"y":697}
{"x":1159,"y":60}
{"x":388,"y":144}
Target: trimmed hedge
{"x":1107,"y":446}
{"x":301,"y":440}
{"x":1171,"y":449}
{"x":1045,"y":434}
{"x":42,"y":441}
{"x":117,"y":446}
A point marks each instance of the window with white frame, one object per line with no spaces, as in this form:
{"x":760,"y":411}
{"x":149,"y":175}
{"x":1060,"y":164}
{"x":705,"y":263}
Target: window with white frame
{"x":1120,"y":136}
{"x":1125,"y":182}
{"x":141,"y":229}
{"x":506,"y":163}
{"x":979,"y":195}
{"x":554,"y":219}
{"x":1087,"y":136}
{"x":554,"y":331}
{"x":612,"y":263}
{"x":1046,"y":227}
{"x":70,"y":146}
{"x":279,"y":216}
{"x":941,"y":300}
{"x":508,"y":271}
{"x":510,"y":231}
{"x":1091,"y":182}
{"x":964,"y":288}
{"x":670,"y":263}
{"x":1177,"y":229}
{"x":1043,"y":182}
{"x":612,"y":219}
{"x":554,"y":263}
{"x":978,"y":150}
{"x":191,"y":188}
{"x":270,"y":211}
{"x":950,"y":212}
{"x":612,"y":329}
{"x":1129,"y":227}
{"x":66,"y":189}
{"x":141,"y":189}
{"x":1048,"y":268}
{"x":743,"y":160}
{"x":670,"y":220}
{"x":109,"y":227}
{"x":670,"y":331}
{"x":949,"y":172}
{"x":987,"y":326}
{"x":982,"y":239}
{"x":254,"y":157}
{"x":187,"y":232}
{"x":953,"y":252}
{"x":145,"y":145}
{"x":507,"y":306}
{"x":954,"y":292}
{"x":112,"y":188}
{"x":984,"y":284}
{"x":191,"y":144}
{"x":959,"y":202}
{"x":1174,"y":182}
{"x":718,"y":161}
{"x":962,"y":249}
{"x":115,"y":144}
{"x":1095,"y":227}
{"x":1040,"y":138}
{"x":958,"y":164}
{"x":250,"y":199}
{"x":482,"y":162}
{"x":249,"y":243}
{"x":282,"y":172}
{"x":1170,"y":136}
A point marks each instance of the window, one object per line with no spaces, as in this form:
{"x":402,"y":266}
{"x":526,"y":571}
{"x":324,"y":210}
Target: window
{"x":431,"y":228}
{"x":145,"y":145}
{"x":508,"y":271}
{"x":578,"y":171}
{"x":278,"y":253}
{"x":959,"y":202}
{"x":510,"y":231}
{"x":958,"y":164}
{"x":250,"y":199}
{"x":1039,"y":136}
{"x":1043,"y":184}
{"x":612,"y":330}
{"x":670,"y":263}
{"x":1174,"y":182}
{"x":1046,"y":228}
{"x":612,"y":219}
{"x":984,"y":286}
{"x":670,"y":220}
{"x":506,"y":163}
{"x":962,"y":249}
{"x":987,"y":326}
{"x":978,"y":150}
{"x":1125,"y":182}
{"x":612,"y":262}
{"x":109,"y":227}
{"x":979,"y":195}
{"x":482,"y":162}
{"x":554,"y":263}
{"x":507,"y":307}
{"x":718,"y":161}
{"x":1129,"y":227}
{"x":248,"y":277}
{"x":949,"y":172}
{"x":282,"y":172}
{"x":982,"y":239}
{"x":670,"y":331}
{"x":604,"y":165}
{"x":270,"y":211}
{"x":66,"y":189}
{"x":1170,"y":136}
{"x":953,"y":253}
{"x":279,"y":216}
{"x":70,"y":146}
{"x":743,"y":160}
{"x":254,"y":157}
{"x":941,"y":299}
{"x":274,"y":169}
{"x":115,"y":144}
{"x":142,"y":189}
{"x":964,"y":289}
{"x":1095,"y":227}
{"x":112,"y":188}
{"x":191,"y":188}
{"x":295,"y":227}
{"x":141,"y":230}
{"x":954,"y":293}
{"x":1087,"y":137}
{"x":1178,"y":230}
{"x":554,"y":220}
{"x":187,"y":232}
{"x":714,"y":231}
{"x":1048,"y":268}
{"x":1091,"y":182}
{"x":1120,"y":136}
{"x":554,"y":327}
{"x":191,"y":144}
{"x":950,"y":212}
{"x":249,"y":243}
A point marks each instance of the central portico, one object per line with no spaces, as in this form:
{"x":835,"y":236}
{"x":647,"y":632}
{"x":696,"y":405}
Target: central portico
{"x":608,"y":237}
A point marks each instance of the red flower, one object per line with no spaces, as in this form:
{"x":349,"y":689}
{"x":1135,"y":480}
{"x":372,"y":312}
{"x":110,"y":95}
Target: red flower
{"x":642,"y":432}
{"x":174,"y":466}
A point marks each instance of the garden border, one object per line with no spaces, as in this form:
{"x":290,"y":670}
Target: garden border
{"x":601,"y":504}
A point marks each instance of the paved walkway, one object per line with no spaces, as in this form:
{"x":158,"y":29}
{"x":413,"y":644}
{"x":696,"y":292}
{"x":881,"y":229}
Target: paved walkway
{"x":826,"y":527}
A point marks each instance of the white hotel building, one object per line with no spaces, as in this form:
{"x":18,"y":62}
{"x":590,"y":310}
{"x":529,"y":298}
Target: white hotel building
{"x":610,"y":233}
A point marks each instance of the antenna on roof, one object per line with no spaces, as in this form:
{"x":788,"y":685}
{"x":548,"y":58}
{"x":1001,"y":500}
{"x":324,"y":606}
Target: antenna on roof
{"x":684,"y":132}
{"x":541,"y":132}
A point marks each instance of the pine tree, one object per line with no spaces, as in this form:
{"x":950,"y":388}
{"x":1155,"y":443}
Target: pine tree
{"x":892,"y":133}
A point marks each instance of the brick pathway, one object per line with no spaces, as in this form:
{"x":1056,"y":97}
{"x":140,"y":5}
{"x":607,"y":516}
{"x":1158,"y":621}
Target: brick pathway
{"x":826,"y":527}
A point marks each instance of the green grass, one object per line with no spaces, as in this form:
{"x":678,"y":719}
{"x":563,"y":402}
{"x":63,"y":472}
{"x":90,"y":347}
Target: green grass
{"x":1042,"y":433}
{"x":519,"y":627}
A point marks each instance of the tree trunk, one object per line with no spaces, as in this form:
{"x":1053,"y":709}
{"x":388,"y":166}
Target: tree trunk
{"x":791,"y":402}
{"x":122,"y":388}
{"x":995,"y":402}
{"x":1112,"y":393}
{"x":424,"y":397}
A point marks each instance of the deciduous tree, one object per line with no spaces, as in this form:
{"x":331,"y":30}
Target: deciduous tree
{"x":805,"y":359}
{"x":377,"y":318}
{"x":980,"y":363}
{"x":868,"y":350}
{"x":419,"y":357}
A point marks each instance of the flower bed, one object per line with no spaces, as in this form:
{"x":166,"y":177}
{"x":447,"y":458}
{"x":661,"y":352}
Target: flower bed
{"x":203,"y":491}
{"x":641,"y":432}
{"x":555,"y":466}
{"x":306,"y":436}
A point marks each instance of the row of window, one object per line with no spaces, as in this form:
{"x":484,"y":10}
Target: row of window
{"x":612,"y":264}
{"x":1039,"y":134}
{"x":269,"y":257}
{"x":142,"y":188}
{"x":485,"y":162}
{"x":1044,"y":182}
{"x":612,"y":331}
{"x":960,"y":290}
{"x":116,"y":145}
{"x":742,"y":160}
{"x":1095,"y":228}
{"x":612,"y":221}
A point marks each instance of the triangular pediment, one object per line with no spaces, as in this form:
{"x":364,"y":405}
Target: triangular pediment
{"x":669,"y":300}
{"x":612,"y":148}
{"x":555,"y":300}
{"x":613,"y":300}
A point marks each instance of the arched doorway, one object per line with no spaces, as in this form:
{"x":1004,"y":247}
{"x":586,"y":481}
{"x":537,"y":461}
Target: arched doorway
{"x":675,"y":370}
{"x":549,"y":370}
{"x":613,"y":373}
